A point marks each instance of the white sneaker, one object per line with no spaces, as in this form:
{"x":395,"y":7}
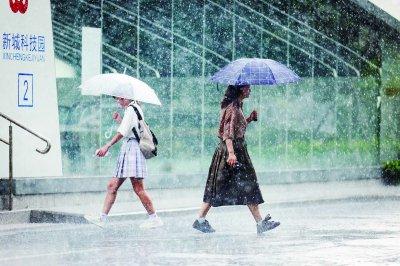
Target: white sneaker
{"x":152,"y":223}
{"x":95,"y":220}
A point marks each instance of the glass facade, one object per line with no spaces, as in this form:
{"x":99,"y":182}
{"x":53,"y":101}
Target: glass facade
{"x":329,"y":120}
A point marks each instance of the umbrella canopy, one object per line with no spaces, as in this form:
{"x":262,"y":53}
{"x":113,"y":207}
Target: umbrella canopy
{"x":255,"y":71}
{"x":120,"y":85}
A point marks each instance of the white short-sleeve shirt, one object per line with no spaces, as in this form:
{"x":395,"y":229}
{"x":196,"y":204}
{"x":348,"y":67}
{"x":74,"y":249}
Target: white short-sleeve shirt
{"x":129,"y":121}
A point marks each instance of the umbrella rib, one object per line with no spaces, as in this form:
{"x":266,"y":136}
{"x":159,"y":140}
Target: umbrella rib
{"x":121,"y":85}
{"x":239,"y":72}
{"x":235,"y":75}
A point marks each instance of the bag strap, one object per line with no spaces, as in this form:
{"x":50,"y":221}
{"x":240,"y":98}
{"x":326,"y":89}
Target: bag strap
{"x":139,"y":116}
{"x":155,"y":140}
{"x":136,"y":134}
{"x":137,"y":112}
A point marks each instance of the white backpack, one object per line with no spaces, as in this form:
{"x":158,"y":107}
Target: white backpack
{"x":147,"y":140}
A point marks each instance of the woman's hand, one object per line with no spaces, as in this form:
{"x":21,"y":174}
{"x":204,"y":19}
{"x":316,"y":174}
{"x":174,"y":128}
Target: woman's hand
{"x":253,"y":116}
{"x":117,"y":117}
{"x":231,"y":153}
{"x":231,"y":159}
{"x":102,"y":151}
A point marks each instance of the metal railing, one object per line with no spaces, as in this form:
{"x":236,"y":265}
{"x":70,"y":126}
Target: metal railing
{"x":10,"y":153}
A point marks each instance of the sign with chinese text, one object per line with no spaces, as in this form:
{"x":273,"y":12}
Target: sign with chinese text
{"x":28,"y":88}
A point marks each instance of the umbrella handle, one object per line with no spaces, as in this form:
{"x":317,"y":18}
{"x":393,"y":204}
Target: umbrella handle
{"x":108,"y":133}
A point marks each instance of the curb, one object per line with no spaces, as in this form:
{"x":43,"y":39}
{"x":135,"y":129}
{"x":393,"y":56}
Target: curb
{"x":40,"y":216}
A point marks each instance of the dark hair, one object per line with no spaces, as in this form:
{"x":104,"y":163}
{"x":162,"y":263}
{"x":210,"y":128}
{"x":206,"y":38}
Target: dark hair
{"x":232,"y":94}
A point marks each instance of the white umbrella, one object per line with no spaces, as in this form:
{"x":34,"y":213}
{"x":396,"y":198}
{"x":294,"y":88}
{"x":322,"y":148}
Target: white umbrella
{"x":120,"y":85}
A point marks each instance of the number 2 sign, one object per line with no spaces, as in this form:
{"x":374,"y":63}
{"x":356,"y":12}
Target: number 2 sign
{"x":25,"y":90}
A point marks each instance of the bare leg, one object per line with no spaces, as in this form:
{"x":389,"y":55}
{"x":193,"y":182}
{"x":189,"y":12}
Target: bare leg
{"x":205,"y":207}
{"x":144,"y":197}
{"x":255,"y":211}
{"x":112,"y":189}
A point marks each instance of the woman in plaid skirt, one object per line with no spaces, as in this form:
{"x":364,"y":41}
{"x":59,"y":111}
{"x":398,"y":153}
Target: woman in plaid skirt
{"x":131,"y":164}
{"x":232,"y":179}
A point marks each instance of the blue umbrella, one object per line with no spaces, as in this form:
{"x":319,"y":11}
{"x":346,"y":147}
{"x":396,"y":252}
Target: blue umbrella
{"x":255,"y":71}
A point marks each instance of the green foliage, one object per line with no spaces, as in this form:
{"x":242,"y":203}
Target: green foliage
{"x":391,"y":172}
{"x":393,"y":165}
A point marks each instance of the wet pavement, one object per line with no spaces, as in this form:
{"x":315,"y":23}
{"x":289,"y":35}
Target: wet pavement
{"x":340,"y":232}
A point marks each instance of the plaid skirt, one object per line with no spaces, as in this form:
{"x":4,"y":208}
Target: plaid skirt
{"x":131,"y":162}
{"x":232,"y":185}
